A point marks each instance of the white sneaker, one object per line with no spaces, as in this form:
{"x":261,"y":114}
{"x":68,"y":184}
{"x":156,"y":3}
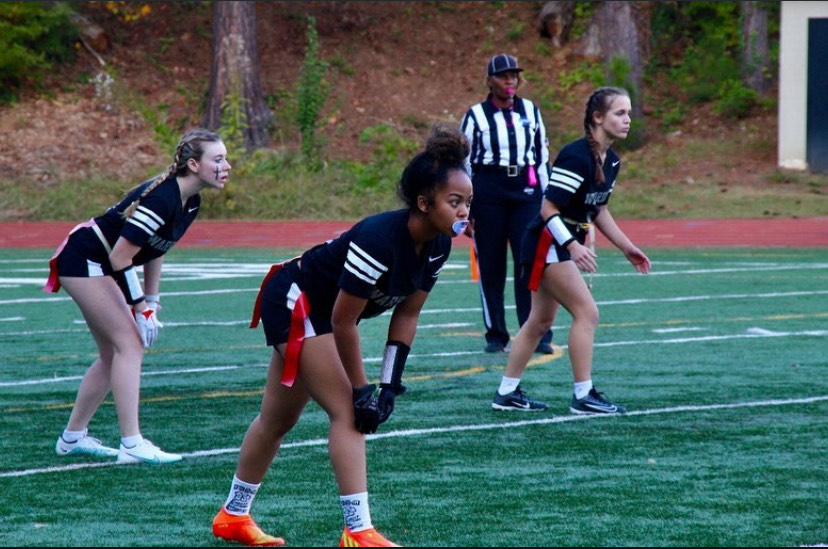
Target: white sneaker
{"x":85,"y":445}
{"x":146,"y":452}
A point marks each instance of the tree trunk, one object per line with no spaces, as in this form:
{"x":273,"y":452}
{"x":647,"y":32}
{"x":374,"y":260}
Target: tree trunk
{"x":619,"y":38}
{"x":235,"y":74}
{"x":755,"y":69}
{"x":555,"y":21}
{"x":619,"y":31}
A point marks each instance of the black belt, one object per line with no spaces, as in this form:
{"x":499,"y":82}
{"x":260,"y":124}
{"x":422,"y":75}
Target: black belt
{"x":584,"y":226}
{"x":508,"y":171}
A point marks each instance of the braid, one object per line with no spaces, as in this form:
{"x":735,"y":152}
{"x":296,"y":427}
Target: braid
{"x":595,"y":149}
{"x":190,"y":146}
{"x":599,"y":102}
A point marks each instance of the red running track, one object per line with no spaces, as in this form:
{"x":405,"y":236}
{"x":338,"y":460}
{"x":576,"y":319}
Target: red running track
{"x":810,"y":232}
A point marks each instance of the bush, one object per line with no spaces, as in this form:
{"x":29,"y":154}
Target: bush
{"x":390,"y":153}
{"x":735,"y":100}
{"x":33,"y":35}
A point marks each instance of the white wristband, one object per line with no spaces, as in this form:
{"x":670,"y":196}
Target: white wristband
{"x":558,"y":229}
{"x":129,"y":284}
{"x":155,"y":298}
{"x":393,"y":363}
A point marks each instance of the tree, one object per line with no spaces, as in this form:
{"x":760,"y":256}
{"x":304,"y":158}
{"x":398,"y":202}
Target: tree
{"x":235,"y":76}
{"x":618,"y":33}
{"x":555,"y":21}
{"x":755,"y":57}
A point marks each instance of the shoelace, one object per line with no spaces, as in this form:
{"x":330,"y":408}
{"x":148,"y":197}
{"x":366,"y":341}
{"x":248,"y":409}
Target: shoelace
{"x":150,"y":444}
{"x":600,"y":398}
{"x":81,"y":439}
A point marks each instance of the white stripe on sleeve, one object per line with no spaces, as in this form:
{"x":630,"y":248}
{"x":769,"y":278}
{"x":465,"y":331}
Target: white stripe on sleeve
{"x":362,"y":265}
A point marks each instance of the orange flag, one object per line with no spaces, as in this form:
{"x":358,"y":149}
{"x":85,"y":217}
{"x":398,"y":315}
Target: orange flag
{"x":475,"y":274}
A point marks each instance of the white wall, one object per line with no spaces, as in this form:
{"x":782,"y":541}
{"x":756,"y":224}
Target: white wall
{"x":793,"y":81}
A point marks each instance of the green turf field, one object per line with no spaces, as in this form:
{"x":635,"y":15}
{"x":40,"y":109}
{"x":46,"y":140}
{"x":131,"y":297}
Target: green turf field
{"x":721,"y":356}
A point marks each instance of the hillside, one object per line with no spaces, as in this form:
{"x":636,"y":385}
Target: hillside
{"x":402,"y":64}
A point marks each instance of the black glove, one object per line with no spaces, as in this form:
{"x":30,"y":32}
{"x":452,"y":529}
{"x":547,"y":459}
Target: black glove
{"x":366,"y":415}
{"x":385,"y":402}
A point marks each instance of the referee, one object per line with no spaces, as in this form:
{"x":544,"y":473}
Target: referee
{"x":508,"y":163}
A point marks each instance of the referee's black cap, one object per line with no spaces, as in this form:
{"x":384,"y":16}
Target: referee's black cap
{"x":502,"y":62}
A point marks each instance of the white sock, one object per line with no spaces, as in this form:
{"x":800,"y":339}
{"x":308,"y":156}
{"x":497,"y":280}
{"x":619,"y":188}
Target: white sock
{"x":356,"y":512}
{"x":241,"y":497}
{"x":582,"y":388}
{"x":507,"y":385}
{"x":131,"y":442}
{"x":73,"y":436}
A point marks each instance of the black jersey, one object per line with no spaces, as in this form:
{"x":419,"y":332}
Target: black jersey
{"x":573,"y":182}
{"x":159,"y":221}
{"x":375,"y":259}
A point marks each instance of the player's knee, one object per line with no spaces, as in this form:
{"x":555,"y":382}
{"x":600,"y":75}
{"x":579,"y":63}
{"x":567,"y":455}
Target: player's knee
{"x":539,"y":324}
{"x":274,"y":429}
{"x":591,"y":315}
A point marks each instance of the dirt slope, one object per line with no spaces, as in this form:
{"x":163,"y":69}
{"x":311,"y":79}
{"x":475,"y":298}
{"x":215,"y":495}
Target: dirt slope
{"x":405,"y":64}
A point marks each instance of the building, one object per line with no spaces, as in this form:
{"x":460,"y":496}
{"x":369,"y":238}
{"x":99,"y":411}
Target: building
{"x":803,"y":87}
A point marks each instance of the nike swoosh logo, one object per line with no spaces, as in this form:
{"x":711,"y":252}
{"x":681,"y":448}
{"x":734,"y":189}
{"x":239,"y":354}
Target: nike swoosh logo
{"x":191,"y":210}
{"x":524,"y":405}
{"x":614,"y":164}
{"x":602,"y":408}
{"x":598,"y":407}
{"x":433,"y":259}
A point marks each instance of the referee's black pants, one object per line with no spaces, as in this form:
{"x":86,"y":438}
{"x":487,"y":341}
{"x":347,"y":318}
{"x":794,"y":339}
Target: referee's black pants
{"x":498,"y":227}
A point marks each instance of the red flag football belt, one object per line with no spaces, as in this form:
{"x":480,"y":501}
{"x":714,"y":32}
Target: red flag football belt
{"x":296,"y":335}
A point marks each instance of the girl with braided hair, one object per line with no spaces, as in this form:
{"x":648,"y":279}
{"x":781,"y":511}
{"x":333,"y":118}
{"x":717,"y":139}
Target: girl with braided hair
{"x":96,"y":265}
{"x":311,"y":307}
{"x":552,"y":250}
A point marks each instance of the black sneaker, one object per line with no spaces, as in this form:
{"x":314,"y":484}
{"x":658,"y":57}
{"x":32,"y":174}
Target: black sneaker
{"x":545,"y":349}
{"x":498,"y":347}
{"x":595,"y":403}
{"x":517,"y":400}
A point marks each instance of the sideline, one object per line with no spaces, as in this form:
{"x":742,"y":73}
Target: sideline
{"x":807,"y":232}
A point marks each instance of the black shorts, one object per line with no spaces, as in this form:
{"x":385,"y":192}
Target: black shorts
{"x":556,"y":253}
{"x":83,"y":256}
{"x":278,"y":300}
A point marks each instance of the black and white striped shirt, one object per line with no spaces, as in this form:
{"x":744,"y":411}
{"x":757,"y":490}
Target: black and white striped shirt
{"x":494,"y":142}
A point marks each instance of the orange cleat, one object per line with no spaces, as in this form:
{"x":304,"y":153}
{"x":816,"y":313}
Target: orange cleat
{"x":364,"y":538}
{"x":242,"y":529}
